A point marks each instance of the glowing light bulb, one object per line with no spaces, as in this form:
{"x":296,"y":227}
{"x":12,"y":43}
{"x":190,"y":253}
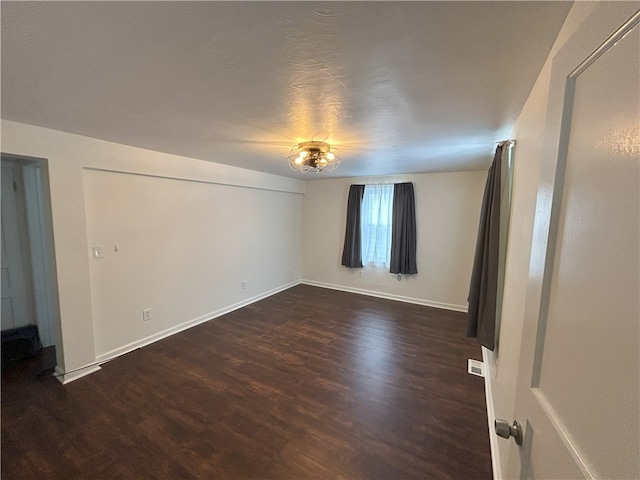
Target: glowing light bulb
{"x":298,"y":160}
{"x":304,"y":154}
{"x":323,"y":161}
{"x":330,"y":156}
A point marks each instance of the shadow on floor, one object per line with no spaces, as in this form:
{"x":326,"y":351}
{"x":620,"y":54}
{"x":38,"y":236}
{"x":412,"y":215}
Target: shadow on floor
{"x":39,"y":365}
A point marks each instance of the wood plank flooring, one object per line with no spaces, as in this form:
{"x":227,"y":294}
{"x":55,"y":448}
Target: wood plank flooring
{"x":308,"y":383}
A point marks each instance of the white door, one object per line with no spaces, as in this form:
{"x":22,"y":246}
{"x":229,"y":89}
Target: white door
{"x":578,"y":397}
{"x":17,"y":295}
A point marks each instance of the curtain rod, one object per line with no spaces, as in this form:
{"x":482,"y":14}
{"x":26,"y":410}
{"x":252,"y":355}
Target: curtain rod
{"x":381,"y":184}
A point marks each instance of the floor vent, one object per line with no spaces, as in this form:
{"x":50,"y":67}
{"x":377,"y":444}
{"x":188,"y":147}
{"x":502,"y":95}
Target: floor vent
{"x":476,"y":368}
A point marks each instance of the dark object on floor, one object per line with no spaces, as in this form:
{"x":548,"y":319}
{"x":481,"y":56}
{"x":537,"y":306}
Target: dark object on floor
{"x":46,"y":363}
{"x":20,"y":343}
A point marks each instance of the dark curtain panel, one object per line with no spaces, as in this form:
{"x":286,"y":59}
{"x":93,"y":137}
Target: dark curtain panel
{"x":403,"y":230}
{"x":352,"y":252}
{"x":483,"y":290}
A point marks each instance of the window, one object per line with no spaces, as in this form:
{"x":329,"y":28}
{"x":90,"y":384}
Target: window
{"x":377,"y":210}
{"x":381,"y":228}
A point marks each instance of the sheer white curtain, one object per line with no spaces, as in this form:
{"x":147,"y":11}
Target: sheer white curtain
{"x":377,"y":209}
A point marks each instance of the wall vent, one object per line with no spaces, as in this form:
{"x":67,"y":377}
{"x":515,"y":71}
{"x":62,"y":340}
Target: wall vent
{"x":476,"y":368}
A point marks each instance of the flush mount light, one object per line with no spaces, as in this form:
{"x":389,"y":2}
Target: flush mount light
{"x":313,"y":157}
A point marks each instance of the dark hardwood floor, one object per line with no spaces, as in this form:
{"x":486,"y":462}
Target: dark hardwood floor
{"x":308,"y":383}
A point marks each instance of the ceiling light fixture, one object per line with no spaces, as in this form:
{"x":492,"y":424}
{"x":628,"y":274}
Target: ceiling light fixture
{"x":313,"y":157}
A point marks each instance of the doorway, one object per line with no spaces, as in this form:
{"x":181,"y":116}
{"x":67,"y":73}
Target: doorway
{"x":29,"y":292}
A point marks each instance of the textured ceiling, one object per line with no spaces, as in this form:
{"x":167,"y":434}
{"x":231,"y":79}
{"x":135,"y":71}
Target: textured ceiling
{"x":399,"y":87}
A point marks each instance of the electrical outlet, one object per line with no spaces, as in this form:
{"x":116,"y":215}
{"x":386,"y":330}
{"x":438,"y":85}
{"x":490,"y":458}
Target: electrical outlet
{"x":244,"y":284}
{"x":146,"y":314}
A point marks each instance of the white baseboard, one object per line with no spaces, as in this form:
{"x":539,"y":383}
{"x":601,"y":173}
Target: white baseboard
{"x":388,"y":296}
{"x":491,"y":417}
{"x":105,"y":357}
{"x":68,"y":377}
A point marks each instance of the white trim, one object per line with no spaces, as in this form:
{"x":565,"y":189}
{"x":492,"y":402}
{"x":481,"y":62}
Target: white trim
{"x":105,"y":357}
{"x":615,"y":37}
{"x":388,"y":296}
{"x":491,"y":418}
{"x":65,"y":378}
{"x":38,"y":247}
{"x":198,"y":180}
{"x":565,"y":436}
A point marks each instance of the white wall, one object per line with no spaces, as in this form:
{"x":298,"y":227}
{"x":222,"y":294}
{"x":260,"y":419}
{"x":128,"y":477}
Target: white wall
{"x":447,"y":211}
{"x":184,"y":249}
{"x":104,"y":193}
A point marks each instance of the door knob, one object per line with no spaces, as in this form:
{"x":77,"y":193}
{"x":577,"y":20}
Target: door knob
{"x":504,"y":430}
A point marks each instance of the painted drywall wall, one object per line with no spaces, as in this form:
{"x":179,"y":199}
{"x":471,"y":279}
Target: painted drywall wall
{"x":447,"y":211}
{"x":182,"y":249}
{"x":72,"y":159}
{"x":530,"y":131}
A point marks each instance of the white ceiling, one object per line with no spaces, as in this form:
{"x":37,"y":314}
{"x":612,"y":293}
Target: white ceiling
{"x":399,"y":87}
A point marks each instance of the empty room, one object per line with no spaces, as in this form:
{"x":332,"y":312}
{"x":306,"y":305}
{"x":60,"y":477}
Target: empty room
{"x":296,"y":240}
